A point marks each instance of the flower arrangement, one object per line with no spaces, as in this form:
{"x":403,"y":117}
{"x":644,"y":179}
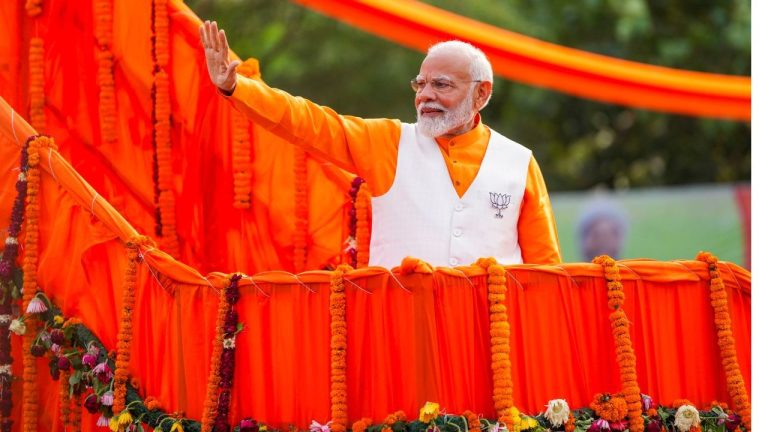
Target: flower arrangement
{"x":301,"y":198}
{"x":734,"y":378}
{"x":625,"y":354}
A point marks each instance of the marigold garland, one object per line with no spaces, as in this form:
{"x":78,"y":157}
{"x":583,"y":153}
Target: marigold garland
{"x":734,"y":378}
{"x":125,"y":333}
{"x":29,"y":404}
{"x":473,"y":421}
{"x":363,"y":233}
{"x":241,"y":145}
{"x":211,"y":404}
{"x":338,"y":305}
{"x":625,"y":353}
{"x":165,"y":199}
{"x":301,"y":227}
{"x":36,"y":84}
{"x":106,"y":79}
{"x":362,"y":424}
{"x":501,"y":364}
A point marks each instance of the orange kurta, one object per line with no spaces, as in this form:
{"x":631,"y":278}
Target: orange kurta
{"x":368,"y":147}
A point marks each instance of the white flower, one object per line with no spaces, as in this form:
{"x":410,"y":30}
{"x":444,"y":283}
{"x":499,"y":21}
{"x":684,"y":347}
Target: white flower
{"x":229,"y":342}
{"x":22,"y":177}
{"x":351,"y":244}
{"x":5,"y":369}
{"x":687,"y":416}
{"x":5,"y":319}
{"x":11,"y":241}
{"x":557,"y":412}
{"x":17,"y":326}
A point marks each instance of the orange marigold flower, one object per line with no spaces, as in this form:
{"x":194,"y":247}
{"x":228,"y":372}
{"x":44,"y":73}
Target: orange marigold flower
{"x":612,"y":408}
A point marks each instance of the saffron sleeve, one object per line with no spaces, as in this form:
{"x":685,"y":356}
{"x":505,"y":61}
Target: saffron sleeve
{"x":537,"y":233}
{"x":366,"y":147}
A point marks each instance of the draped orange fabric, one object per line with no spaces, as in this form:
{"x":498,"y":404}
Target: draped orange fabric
{"x":520,"y":58}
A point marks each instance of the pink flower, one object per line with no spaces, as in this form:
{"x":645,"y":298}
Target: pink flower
{"x":647,"y":402}
{"x":36,"y":306}
{"x":89,"y":360}
{"x":102,"y":421}
{"x":599,"y":425}
{"x":108,"y":398}
{"x":619,"y":425}
{"x":103,"y":372}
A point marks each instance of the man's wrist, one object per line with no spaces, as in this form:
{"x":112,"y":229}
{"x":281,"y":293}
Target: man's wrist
{"x":228,"y":92}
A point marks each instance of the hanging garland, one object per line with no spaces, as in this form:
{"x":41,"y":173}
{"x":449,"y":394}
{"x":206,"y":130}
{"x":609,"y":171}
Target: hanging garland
{"x":29,"y":287}
{"x":363,"y":233}
{"x":351,"y":243}
{"x":625,"y":353}
{"x":125,"y":333}
{"x":164,"y":198}
{"x":501,"y":365}
{"x":227,"y":364}
{"x":241,"y":144}
{"x":36,"y":84}
{"x":106,"y":78}
{"x":301,"y":198}
{"x":719,"y":299}
{"x":338,"y":303}
{"x":9,"y":291}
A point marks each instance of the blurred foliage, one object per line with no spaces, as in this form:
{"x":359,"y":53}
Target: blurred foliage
{"x":579,"y":144}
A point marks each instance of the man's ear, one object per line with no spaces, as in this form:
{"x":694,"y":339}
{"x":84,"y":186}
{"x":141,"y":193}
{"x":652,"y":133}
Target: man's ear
{"x":482,"y":94}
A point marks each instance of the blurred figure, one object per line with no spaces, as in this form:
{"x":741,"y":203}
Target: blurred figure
{"x":602,"y":228}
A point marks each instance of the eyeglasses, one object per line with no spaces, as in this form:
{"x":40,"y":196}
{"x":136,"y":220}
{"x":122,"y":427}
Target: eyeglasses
{"x":439,"y":85}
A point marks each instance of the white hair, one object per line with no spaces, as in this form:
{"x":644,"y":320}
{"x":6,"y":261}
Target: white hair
{"x":479,"y":66}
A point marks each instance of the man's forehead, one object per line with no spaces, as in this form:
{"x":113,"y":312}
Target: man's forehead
{"x":449,"y":65}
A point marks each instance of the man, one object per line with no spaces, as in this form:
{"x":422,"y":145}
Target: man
{"x":602,"y":229}
{"x":447,"y":190}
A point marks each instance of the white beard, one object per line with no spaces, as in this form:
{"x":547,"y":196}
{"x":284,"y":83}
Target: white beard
{"x":446,"y":122}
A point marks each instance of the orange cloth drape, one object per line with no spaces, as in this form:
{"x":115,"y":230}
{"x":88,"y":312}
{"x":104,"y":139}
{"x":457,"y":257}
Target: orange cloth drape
{"x":520,"y":58}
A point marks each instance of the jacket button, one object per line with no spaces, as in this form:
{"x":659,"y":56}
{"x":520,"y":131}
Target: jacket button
{"x":459,"y":207}
{"x":457,"y":232}
{"x":453,"y":261}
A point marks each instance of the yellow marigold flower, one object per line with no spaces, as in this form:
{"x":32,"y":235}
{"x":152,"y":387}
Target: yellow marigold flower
{"x":528,"y":423}
{"x":263,"y":428}
{"x":113,"y":426}
{"x":177,"y":427}
{"x":58,"y":320}
{"x":125,"y":418}
{"x":429,"y":412}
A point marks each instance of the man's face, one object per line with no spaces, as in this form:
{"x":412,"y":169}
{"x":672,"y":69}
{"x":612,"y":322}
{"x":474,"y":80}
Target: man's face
{"x":445,"y":102}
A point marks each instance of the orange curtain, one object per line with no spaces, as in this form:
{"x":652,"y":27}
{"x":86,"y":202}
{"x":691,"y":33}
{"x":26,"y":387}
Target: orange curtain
{"x":520,"y":58}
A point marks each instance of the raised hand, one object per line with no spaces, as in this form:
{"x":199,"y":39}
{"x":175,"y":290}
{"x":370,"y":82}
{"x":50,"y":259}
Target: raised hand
{"x":220,"y":69}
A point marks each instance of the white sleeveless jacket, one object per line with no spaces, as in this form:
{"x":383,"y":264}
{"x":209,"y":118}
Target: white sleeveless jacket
{"x":422,"y":216}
